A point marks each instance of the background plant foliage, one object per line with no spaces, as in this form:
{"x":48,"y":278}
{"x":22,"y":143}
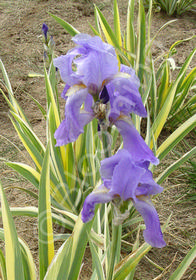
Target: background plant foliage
{"x":63,"y":176}
{"x":173,"y":6}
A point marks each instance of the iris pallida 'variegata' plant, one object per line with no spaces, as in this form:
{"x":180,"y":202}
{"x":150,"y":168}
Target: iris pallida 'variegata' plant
{"x":96,"y":87}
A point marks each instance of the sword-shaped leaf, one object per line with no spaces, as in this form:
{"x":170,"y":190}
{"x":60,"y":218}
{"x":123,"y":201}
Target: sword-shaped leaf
{"x":46,"y":242}
{"x":2,"y":266}
{"x":68,"y":27}
{"x":27,"y":259}
{"x":184,"y":265}
{"x":175,"y":165}
{"x":176,"y":137}
{"x":13,"y":256}
{"x":117,"y":29}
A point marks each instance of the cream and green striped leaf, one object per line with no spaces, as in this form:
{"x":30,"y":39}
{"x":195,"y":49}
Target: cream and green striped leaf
{"x":13,"y":255}
{"x":12,"y":101}
{"x":30,"y":272}
{"x":130,"y":33}
{"x":174,"y":166}
{"x":45,"y":230}
{"x":67,"y":261}
{"x":68,"y":27}
{"x":65,"y":220}
{"x":176,"y":137}
{"x":3,"y":272}
{"x":26,"y":171}
{"x":97,"y":262}
{"x":184,"y":265}
{"x":117,"y":29}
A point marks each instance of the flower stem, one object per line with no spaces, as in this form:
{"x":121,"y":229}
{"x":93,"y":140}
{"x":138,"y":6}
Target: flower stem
{"x":106,"y":144}
{"x":114,"y":250}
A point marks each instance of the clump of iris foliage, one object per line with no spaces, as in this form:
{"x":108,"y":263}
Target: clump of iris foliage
{"x":86,"y":183}
{"x":173,"y":6}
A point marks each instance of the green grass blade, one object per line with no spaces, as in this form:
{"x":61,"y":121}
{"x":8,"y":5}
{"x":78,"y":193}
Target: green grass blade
{"x":59,"y":267}
{"x":184,"y":89}
{"x":29,"y":192}
{"x":56,"y":160}
{"x":157,"y":33}
{"x":2,"y":266}
{"x":46,"y":242}
{"x":39,"y":106}
{"x":68,"y":27}
{"x":29,"y":146}
{"x":109,"y":34}
{"x":166,"y":108}
{"x":175,"y":165}
{"x":106,"y":239}
{"x":52,"y":103}
{"x":117,"y":29}
{"x":67,"y":262}
{"x":80,"y":237}
{"x":26,"y":171}
{"x":163,"y":114}
{"x":14,"y":264}
{"x":163,"y":89}
{"x":141,"y":42}
{"x":27,"y":258}
{"x":186,"y":111}
{"x":176,"y":137}
{"x":90,"y":150}
{"x":130,"y":34}
{"x":184,"y":265}
{"x":7,"y":82}
{"x":129,"y":263}
{"x":135,"y":247}
{"x":28,"y":263}
{"x":97,"y":262}
{"x":12,"y":99}
{"x":30,"y":134}
{"x":96,"y":33}
{"x":31,"y":211}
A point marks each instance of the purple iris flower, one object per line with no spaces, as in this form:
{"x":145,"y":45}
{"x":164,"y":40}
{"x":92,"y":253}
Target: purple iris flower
{"x":124,"y":178}
{"x":90,"y":63}
{"x":91,"y":70}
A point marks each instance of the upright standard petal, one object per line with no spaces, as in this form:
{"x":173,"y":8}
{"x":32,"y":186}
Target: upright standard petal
{"x":124,"y":85}
{"x":152,"y":233}
{"x":134,"y":143}
{"x":99,"y":62}
{"x":91,"y":62}
{"x":75,"y":119}
{"x":64,"y":64}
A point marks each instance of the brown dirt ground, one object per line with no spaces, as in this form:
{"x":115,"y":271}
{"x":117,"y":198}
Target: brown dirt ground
{"x":21,"y":51}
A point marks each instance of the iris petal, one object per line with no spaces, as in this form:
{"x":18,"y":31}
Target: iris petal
{"x":108,"y":164}
{"x":64,"y":64}
{"x":96,"y":66}
{"x":124,"y":183}
{"x":75,"y":119}
{"x":100,"y":195}
{"x":134,"y":143}
{"x":152,"y":234}
{"x":128,"y":87}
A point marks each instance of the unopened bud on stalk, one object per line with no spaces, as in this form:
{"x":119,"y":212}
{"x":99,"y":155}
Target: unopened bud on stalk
{"x":45,"y":31}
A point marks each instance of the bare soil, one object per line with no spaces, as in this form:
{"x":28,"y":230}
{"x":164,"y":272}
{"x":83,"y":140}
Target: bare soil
{"x":21,"y":50}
